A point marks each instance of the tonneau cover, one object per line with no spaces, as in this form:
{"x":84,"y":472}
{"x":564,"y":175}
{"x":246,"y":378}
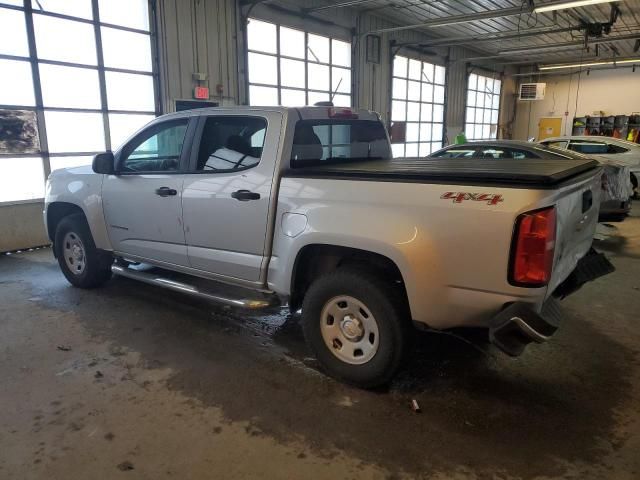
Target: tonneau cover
{"x":539,"y":172}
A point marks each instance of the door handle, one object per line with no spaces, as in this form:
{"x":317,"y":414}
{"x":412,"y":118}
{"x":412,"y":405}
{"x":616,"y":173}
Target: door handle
{"x":166,"y":191}
{"x":245,"y":195}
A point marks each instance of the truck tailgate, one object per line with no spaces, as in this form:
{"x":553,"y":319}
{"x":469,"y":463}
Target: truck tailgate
{"x":577,"y":208}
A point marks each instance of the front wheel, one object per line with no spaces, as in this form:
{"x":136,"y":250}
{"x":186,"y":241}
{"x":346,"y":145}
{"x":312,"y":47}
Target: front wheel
{"x":81,"y":262}
{"x":352,"y":322}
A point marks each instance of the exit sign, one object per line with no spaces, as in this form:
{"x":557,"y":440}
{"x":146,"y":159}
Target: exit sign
{"x":201,"y":93}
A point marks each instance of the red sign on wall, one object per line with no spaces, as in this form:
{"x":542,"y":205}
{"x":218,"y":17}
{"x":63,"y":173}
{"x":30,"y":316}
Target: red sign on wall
{"x":201,"y":93}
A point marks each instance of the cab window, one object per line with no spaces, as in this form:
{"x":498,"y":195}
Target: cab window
{"x":231,"y":143}
{"x":157,"y":149}
{"x":318,"y":142}
{"x":455,"y":152}
{"x":588,"y":146}
{"x":505,"y":153}
{"x":557,"y":144}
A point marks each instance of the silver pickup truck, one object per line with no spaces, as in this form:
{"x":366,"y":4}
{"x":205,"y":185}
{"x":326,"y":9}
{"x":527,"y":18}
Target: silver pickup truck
{"x":255,"y":207}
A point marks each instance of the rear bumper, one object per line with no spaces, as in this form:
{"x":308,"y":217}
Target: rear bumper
{"x":615,"y":207}
{"x":518,"y":324}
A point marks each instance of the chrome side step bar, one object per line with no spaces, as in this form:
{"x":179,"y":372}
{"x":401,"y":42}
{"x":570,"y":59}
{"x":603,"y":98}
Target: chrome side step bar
{"x":151,"y":278}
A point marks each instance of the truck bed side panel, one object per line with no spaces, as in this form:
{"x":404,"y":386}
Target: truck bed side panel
{"x":453,"y":255}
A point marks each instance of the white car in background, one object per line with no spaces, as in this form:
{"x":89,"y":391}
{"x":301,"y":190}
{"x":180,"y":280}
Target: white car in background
{"x":606,"y":148}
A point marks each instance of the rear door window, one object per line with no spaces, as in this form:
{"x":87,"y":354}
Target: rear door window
{"x":230,"y":143}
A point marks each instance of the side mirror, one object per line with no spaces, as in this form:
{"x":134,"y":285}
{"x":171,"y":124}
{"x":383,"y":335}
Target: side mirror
{"x":104,"y":163}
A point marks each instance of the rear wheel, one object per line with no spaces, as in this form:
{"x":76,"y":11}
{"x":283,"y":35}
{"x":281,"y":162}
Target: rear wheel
{"x":81,"y":262}
{"x":353,"y":324}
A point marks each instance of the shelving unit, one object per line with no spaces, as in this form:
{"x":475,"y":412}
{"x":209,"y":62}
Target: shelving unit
{"x":626,"y":127}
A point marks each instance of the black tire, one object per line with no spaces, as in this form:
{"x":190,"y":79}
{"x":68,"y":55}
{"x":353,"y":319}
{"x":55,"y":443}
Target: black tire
{"x":634,"y":184}
{"x":97,"y":263}
{"x":385,"y":305}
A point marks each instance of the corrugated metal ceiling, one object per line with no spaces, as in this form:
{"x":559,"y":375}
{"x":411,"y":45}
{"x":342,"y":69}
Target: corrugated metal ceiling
{"x":411,"y":12}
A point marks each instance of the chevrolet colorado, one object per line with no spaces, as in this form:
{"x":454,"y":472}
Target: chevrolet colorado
{"x":252,"y":207}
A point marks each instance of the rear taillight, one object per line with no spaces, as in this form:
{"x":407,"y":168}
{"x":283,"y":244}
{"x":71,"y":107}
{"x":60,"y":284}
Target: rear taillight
{"x":533,"y":247}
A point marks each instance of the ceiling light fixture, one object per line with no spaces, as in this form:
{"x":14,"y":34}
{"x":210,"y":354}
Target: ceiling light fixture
{"x":551,"y":6}
{"x":589,"y":64}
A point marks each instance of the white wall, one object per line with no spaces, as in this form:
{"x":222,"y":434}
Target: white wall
{"x":615,"y":92}
{"x":21,"y":226}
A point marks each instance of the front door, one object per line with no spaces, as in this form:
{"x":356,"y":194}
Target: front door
{"x":142,"y":202}
{"x":226,"y":196}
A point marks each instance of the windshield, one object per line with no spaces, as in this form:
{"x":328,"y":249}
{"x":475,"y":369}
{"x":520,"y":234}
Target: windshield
{"x":318,"y":142}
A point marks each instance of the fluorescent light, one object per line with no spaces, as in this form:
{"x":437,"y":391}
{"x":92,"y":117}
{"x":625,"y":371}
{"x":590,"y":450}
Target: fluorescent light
{"x":588,"y":64}
{"x":549,"y":7}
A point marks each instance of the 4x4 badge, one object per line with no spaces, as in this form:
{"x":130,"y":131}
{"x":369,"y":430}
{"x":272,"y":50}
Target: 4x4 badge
{"x":459,"y":197}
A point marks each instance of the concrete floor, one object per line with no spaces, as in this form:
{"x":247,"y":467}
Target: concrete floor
{"x":135,"y":382}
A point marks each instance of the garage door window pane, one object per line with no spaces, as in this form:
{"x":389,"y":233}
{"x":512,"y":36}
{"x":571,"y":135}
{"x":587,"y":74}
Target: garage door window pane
{"x":315,"y":97}
{"x":262,"y":36}
{"x":16,"y":86}
{"x":439,"y":75}
{"x":341,"y":53}
{"x":263,"y":69}
{"x":128,"y":50}
{"x":291,"y":42}
{"x":21,"y":179}
{"x":399,"y":89}
{"x":292,"y":98}
{"x":398,"y":111}
{"x":318,"y":49}
{"x":438,"y":113}
{"x":400,"y":66}
{"x":342,"y":100}
{"x":69,"y":162}
{"x":415,"y":68}
{"x":128,"y":13}
{"x":413,"y":111}
{"x":427,"y":73}
{"x":413,"y":90}
{"x":318,"y":78}
{"x":426,"y":112}
{"x":69,"y":87}
{"x":124,"y":125}
{"x":73,"y":8}
{"x":64,"y":40}
{"x":74,"y":131}
{"x":341,"y":80}
{"x":263,"y":96}
{"x":292,"y":73}
{"x":128,"y":91}
{"x":13,"y":33}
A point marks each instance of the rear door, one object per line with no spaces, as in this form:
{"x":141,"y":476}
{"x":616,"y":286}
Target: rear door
{"x":227,"y":193}
{"x":142,"y":202}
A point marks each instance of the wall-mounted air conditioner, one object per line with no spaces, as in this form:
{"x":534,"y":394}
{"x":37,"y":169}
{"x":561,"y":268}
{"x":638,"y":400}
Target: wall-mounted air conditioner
{"x":532,"y":91}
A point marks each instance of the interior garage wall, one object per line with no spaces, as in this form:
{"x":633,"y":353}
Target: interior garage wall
{"x":197,"y":36}
{"x":613,"y":91}
{"x":21,"y":226}
{"x":205,"y":36}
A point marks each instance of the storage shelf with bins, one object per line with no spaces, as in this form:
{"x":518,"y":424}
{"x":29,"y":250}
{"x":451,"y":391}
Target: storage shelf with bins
{"x":626,"y":127}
